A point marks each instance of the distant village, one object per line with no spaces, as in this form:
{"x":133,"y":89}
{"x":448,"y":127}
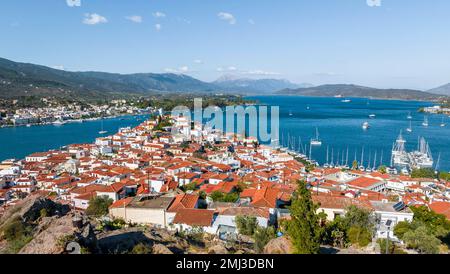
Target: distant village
{"x":56,"y":113}
{"x":203,"y":178}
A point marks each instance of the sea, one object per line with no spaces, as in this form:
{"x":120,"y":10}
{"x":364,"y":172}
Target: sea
{"x":339,"y":125}
{"x":340,"y":129}
{"x":18,"y":142}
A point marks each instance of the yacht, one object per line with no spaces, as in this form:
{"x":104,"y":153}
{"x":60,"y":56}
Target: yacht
{"x":316,"y":141}
{"x":409,"y":129}
{"x":101,"y":132}
{"x":425,"y":122}
{"x":365,"y":125}
{"x":346,"y":101}
{"x":372,"y":116}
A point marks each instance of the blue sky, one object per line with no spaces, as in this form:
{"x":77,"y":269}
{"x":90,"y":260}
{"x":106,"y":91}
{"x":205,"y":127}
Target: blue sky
{"x":389,"y":43}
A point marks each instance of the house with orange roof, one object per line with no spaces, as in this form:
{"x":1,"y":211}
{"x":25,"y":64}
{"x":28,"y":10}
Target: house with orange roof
{"x":441,"y":208}
{"x":367,"y":183}
{"x":187,"y":219}
{"x":184,"y":201}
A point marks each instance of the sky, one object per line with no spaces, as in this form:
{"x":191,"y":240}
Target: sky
{"x":377,"y":43}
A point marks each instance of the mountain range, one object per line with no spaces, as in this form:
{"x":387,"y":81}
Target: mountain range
{"x":345,"y":90}
{"x":443,"y":90}
{"x":24,"y":79}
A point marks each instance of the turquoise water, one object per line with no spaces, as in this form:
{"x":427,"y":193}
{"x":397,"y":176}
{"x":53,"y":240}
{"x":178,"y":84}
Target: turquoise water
{"x":340,"y":126}
{"x":18,"y":142}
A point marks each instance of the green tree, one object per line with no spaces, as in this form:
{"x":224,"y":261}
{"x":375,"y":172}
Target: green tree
{"x":262,"y":237}
{"x":423,"y":173}
{"x":357,"y":216}
{"x":99,"y":206}
{"x":303,"y":228}
{"x":382,"y":169}
{"x":359,"y":235}
{"x":246,"y":225}
{"x":422,"y":240}
{"x":355,"y":164}
{"x":401,"y":228}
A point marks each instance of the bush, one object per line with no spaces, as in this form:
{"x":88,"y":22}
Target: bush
{"x":262,"y":237}
{"x":246,"y":225}
{"x":17,"y":234}
{"x":392,"y":249}
{"x":43,"y":213}
{"x":359,"y":235}
{"x":141,"y":248}
{"x":422,"y":240}
{"x":99,"y":206}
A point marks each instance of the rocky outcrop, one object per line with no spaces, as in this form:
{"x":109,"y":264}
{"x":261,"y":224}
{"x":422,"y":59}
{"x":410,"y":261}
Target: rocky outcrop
{"x":55,"y":233}
{"x":218,"y":249}
{"x":32,"y":208}
{"x":281,"y":245}
{"x":160,"y":249}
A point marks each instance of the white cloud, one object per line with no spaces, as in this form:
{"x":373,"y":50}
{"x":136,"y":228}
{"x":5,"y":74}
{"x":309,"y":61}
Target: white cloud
{"x":227,"y":17}
{"x":158,"y":27}
{"x":73,"y":3}
{"x":159,"y":14}
{"x":198,"y":61}
{"x":373,"y":3}
{"x":94,"y":19}
{"x":135,"y":18}
{"x":251,"y":21}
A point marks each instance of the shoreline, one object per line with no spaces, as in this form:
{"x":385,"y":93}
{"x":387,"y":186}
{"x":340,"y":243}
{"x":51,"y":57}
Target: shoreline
{"x":70,"y":121}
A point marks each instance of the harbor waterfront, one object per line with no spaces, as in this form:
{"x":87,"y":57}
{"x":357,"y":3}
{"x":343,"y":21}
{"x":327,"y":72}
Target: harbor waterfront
{"x":18,"y":142}
{"x":339,"y":122}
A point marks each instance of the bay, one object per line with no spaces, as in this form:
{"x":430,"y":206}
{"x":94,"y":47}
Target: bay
{"x":340,"y":127}
{"x":18,"y":142}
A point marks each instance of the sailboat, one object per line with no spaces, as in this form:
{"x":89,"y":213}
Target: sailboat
{"x":290,"y":113}
{"x":365,"y":125}
{"x":409,"y":129}
{"x":102,"y":131}
{"x":442,"y":123}
{"x":425,"y":122}
{"x":316,"y":141}
{"x":409,"y":117}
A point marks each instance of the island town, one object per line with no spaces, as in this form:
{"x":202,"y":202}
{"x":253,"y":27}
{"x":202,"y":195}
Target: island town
{"x":218,"y":183}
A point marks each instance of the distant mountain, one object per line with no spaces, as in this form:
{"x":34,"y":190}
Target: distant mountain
{"x":232,"y":83}
{"x":360,"y":91}
{"x":18,"y":79}
{"x":442,"y":90}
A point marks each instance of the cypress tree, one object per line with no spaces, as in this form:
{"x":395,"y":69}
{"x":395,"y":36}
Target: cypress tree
{"x":304,"y":228}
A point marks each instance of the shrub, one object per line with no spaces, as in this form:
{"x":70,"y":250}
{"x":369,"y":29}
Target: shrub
{"x":262,"y":237}
{"x":422,"y":240}
{"x":141,"y":248}
{"x":99,"y":206}
{"x":359,"y":235}
{"x":246,"y":225}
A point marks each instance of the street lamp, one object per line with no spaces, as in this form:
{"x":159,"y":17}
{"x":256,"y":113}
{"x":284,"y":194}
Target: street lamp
{"x":388,"y":225}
